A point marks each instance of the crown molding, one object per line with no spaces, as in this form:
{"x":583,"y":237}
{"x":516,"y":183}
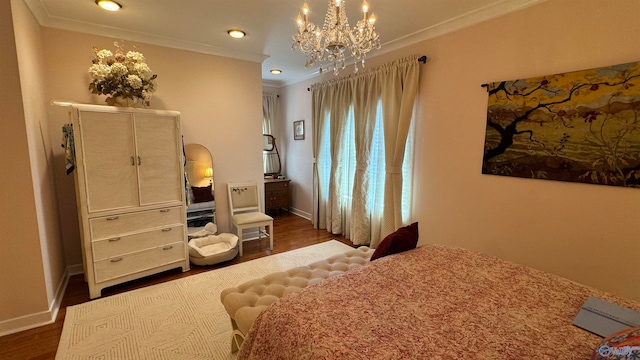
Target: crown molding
{"x":492,"y":11}
{"x":272,"y":83}
{"x":47,"y":20}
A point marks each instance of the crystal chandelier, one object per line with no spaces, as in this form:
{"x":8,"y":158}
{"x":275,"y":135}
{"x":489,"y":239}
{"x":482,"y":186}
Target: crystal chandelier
{"x":329,"y":43}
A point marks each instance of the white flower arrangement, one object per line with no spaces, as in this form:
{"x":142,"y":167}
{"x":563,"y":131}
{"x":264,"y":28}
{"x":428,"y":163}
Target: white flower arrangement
{"x":121,"y":75}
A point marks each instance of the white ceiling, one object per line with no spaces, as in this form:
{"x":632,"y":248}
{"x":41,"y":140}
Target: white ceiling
{"x":201,"y":25}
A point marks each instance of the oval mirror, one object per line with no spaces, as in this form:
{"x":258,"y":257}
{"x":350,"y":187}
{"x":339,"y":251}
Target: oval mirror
{"x":272,"y":165}
{"x":199,"y":169}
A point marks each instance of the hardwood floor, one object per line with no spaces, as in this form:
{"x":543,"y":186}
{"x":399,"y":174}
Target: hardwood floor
{"x":290,"y":232}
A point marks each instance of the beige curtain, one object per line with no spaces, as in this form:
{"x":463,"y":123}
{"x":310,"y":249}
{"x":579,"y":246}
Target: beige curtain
{"x":318,"y":108}
{"x":365,"y":104}
{"x":351,"y":166}
{"x":399,"y":92}
{"x":331,"y":102}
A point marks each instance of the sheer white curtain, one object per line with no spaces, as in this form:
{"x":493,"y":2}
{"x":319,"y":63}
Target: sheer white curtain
{"x":269,"y":101}
{"x":352,"y":119}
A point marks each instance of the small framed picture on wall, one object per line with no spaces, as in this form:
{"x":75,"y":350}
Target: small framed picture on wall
{"x":298,"y":130}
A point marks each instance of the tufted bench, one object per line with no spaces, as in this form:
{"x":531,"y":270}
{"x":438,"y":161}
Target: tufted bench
{"x":246,"y":301}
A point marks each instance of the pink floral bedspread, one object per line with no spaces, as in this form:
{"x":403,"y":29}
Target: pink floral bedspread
{"x":433,"y":302}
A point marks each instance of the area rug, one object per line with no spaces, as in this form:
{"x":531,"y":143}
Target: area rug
{"x":179,"y":319}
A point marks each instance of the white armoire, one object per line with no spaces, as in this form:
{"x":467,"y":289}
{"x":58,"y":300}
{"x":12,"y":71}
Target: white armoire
{"x":130,"y":193}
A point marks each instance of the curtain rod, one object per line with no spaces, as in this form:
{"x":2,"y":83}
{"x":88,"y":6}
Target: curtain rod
{"x":423,"y":59}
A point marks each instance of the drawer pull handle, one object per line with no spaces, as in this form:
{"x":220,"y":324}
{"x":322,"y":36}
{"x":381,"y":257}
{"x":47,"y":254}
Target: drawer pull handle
{"x":165,"y":210}
{"x":112,"y":218}
{"x":168,"y":247}
{"x":139,"y":161}
{"x":166,"y":230}
{"x":133,"y":161}
{"x":114,"y":239}
{"x":116,"y":259}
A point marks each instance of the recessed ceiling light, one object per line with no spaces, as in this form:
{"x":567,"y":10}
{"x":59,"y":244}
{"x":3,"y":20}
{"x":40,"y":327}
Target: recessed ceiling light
{"x":109,"y":5}
{"x":238,"y":34}
{"x":276,"y":71}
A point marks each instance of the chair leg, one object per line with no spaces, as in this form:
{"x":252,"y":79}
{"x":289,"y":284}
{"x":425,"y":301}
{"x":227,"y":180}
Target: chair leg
{"x":271,"y":235}
{"x":239,"y":234}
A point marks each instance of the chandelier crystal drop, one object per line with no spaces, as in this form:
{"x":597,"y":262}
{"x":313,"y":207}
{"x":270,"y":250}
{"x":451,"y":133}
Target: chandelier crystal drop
{"x":331,"y":42}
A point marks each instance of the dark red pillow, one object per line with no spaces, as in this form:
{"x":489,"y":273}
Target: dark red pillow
{"x":403,"y":239}
{"x":202,"y":194}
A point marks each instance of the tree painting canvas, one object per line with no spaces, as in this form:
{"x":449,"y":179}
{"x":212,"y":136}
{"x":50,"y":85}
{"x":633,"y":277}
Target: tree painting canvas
{"x":581,"y":126}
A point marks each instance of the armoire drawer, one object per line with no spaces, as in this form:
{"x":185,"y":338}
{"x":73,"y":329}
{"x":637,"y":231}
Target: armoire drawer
{"x":110,"y":226}
{"x":126,"y":244}
{"x":129,"y":264}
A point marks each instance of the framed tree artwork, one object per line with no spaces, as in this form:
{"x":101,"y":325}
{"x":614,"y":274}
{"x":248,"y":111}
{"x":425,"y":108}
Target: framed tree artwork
{"x":298,"y":130}
{"x":581,"y":126}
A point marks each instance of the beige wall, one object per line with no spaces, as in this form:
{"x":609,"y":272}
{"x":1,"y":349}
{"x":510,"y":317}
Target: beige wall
{"x":30,"y":248}
{"x":587,"y":233}
{"x":295,"y":103}
{"x":219,"y":99}
{"x":31,"y":64}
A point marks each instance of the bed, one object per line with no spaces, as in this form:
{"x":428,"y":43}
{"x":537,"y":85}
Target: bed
{"x":434,"y":302}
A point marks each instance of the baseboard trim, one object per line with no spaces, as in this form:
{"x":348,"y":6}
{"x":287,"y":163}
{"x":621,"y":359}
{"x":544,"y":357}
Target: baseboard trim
{"x":25,"y":322}
{"x":31,"y":321}
{"x":301,"y":213}
{"x":75,"y":270}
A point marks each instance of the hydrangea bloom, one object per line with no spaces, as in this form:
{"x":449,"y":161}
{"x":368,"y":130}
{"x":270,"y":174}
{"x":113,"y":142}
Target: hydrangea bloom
{"x":103,"y":54}
{"x":134,"y":81}
{"x":99,"y":71}
{"x":143,"y":71}
{"x":121,"y":76}
{"x":135,"y":56}
{"x":118,"y":69}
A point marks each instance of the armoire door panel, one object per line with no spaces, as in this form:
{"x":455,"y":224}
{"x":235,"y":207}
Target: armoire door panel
{"x":110,"y":171}
{"x":158,"y":164}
